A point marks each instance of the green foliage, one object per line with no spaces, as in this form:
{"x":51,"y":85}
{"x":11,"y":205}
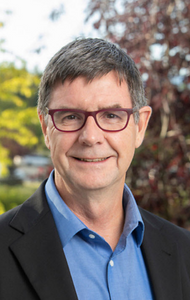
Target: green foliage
{"x":16,"y":124}
{"x":18,"y":116}
{"x":11,"y":196}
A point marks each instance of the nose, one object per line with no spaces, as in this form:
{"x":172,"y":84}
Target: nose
{"x":91,"y":134}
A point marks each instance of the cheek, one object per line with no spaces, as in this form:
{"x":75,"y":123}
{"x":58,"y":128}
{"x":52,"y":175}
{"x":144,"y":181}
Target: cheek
{"x":57,"y":145}
{"x":47,"y":141}
{"x":60,"y":143}
{"x":124,"y":144}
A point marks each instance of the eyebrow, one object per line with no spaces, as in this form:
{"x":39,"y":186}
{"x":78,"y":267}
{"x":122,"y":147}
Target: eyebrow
{"x":112,"y":106}
{"x":102,"y":107}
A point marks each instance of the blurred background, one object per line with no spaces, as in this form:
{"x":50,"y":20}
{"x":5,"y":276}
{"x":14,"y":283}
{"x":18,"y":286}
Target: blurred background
{"x":156,"y":34}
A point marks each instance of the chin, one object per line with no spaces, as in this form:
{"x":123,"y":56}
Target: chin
{"x":95,"y":185}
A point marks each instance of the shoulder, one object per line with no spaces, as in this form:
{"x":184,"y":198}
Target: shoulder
{"x":166,"y":248}
{"x":6,"y":217}
{"x":27,"y":212}
{"x":168,"y":229}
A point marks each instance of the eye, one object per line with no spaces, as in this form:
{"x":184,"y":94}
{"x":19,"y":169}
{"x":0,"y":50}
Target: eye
{"x":70,"y":117}
{"x":111,"y":115}
{"x":67,"y":116}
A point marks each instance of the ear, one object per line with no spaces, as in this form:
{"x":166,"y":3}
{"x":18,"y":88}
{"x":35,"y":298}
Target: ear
{"x":144,"y":116}
{"x":44,"y":129}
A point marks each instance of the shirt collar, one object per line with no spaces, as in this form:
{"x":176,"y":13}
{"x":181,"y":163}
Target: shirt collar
{"x":133,"y":220}
{"x":68,"y":224}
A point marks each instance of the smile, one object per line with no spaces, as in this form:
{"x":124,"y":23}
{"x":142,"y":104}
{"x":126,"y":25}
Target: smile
{"x":91,"y":160}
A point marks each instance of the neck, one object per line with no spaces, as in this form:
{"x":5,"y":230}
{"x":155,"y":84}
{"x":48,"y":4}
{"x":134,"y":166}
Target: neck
{"x":100,"y":210}
{"x":106,"y":221}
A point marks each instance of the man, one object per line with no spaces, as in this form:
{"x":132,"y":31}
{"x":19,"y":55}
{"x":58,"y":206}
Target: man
{"x":81,"y":235}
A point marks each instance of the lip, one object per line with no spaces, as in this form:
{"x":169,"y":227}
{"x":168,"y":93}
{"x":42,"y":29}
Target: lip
{"x":91,"y":160}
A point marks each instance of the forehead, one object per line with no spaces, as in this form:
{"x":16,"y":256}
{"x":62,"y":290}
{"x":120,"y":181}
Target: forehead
{"x":101,"y":92}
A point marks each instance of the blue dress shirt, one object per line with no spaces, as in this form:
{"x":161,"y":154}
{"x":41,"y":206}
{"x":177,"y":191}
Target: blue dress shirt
{"x":97,"y":271}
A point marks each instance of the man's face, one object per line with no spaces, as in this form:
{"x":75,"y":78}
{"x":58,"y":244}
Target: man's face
{"x":91,"y":159}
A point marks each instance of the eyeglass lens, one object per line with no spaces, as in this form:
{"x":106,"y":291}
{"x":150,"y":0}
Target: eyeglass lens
{"x":107,"y":120}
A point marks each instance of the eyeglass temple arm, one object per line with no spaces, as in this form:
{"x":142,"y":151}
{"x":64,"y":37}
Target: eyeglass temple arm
{"x":46,"y":110}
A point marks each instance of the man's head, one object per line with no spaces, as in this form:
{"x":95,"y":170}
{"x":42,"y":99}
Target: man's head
{"x":88,"y":91}
{"x":91,"y":58}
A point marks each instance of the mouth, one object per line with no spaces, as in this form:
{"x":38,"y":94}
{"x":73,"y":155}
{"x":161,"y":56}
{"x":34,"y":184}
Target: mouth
{"x":91,"y":159}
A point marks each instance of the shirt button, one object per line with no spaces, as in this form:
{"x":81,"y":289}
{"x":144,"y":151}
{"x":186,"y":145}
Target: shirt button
{"x":92,"y":236}
{"x":111,"y":263}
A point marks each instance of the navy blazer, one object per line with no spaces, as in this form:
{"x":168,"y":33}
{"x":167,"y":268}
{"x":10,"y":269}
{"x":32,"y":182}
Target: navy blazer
{"x":33,"y":265}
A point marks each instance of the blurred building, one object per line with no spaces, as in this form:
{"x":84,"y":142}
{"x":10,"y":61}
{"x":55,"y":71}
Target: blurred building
{"x":32,"y":167}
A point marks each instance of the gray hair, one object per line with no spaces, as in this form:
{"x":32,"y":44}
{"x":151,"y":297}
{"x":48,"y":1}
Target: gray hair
{"x":91,"y":58}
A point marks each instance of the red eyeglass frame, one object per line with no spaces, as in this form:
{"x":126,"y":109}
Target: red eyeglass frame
{"x":130,"y":111}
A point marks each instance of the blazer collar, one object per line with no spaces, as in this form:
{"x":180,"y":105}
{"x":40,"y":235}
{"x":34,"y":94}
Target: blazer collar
{"x":39,"y":251}
{"x":161,"y":258}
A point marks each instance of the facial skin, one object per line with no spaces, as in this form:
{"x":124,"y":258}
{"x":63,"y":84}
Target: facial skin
{"x":92,"y":143}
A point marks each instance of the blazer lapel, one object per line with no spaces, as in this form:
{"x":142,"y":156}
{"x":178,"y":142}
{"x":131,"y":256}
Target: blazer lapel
{"x":39,"y":250}
{"x":161,"y":259}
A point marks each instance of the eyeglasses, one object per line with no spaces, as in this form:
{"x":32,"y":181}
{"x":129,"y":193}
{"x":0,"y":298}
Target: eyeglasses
{"x":108,"y":119}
